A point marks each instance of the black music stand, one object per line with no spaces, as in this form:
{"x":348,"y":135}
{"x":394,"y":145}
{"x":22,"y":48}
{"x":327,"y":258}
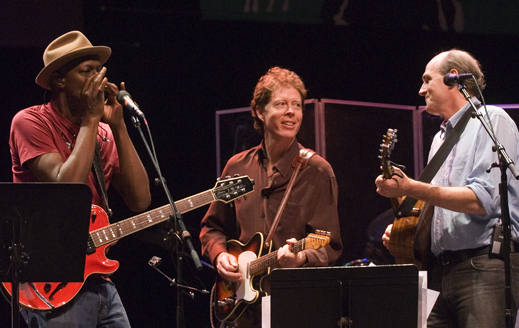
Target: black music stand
{"x":358,"y":297}
{"x":43,"y":234}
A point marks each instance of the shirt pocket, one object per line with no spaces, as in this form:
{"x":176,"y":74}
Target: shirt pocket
{"x":289,"y":218}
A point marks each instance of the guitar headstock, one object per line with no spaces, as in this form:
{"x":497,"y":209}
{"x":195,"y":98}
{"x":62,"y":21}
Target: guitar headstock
{"x":388,"y":143}
{"x":317,"y":240}
{"x":229,"y":189}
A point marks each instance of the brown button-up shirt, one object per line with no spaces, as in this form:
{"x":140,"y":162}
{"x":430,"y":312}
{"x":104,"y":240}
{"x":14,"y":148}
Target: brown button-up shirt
{"x":312,"y":205}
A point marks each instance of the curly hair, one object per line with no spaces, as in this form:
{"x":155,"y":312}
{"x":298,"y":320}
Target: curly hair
{"x":464,"y":62}
{"x":275,"y":78}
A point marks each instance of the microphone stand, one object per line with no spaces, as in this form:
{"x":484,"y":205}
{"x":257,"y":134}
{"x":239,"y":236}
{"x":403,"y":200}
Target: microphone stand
{"x":504,"y":163}
{"x":180,"y":229}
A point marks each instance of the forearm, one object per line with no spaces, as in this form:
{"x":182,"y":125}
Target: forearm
{"x":132,"y":179}
{"x":458,"y":199}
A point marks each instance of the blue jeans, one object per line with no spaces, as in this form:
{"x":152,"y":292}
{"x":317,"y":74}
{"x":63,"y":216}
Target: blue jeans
{"x":472,"y":293}
{"x":96,"y":305}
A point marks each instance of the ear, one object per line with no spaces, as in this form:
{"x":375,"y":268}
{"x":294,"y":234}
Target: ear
{"x":56,"y":79}
{"x":454,"y":71}
{"x":259,"y":113}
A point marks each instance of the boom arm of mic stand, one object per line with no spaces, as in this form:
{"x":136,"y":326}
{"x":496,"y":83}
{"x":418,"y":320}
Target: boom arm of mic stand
{"x":179,"y":223}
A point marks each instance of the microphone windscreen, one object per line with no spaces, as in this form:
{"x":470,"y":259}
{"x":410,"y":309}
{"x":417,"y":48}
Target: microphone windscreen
{"x":450,"y":79}
{"x":121,"y":94}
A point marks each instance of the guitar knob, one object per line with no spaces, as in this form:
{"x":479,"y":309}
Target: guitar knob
{"x":221,"y":304}
{"x":230,"y":285}
{"x":225,"y":302}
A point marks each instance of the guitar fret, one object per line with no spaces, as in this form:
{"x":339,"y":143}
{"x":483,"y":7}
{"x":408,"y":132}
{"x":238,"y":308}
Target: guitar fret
{"x":99,"y":238}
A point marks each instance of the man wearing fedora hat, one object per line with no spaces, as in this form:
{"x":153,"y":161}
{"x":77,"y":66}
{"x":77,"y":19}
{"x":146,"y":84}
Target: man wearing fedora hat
{"x":57,"y":141}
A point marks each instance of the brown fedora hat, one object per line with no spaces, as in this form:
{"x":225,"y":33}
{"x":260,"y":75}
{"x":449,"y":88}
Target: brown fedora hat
{"x":69,"y":46}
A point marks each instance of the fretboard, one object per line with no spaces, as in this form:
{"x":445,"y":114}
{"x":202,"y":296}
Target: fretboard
{"x":266,"y":261}
{"x":136,"y":223}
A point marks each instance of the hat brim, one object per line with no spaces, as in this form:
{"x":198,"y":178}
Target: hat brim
{"x":43,"y":78}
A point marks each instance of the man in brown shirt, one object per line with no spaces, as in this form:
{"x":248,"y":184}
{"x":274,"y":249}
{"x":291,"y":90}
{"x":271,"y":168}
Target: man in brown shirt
{"x":277,"y":108}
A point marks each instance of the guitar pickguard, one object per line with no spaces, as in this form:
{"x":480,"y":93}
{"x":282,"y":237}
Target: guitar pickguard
{"x":244,"y":290}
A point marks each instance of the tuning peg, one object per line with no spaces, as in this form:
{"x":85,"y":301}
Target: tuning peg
{"x":236,"y":175}
{"x":227,"y":176}
{"x":218,"y":179}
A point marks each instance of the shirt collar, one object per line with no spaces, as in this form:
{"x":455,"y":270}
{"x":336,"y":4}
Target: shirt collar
{"x":284,"y":165}
{"x":449,"y":124}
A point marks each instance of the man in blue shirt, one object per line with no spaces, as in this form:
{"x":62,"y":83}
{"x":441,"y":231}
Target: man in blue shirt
{"x":466,"y":202}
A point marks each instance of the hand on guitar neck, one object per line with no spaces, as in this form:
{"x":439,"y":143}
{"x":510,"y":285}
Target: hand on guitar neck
{"x":288,"y":259}
{"x":398,"y":185}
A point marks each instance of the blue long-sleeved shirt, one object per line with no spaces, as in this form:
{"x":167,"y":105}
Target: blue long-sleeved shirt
{"x":466,"y":165}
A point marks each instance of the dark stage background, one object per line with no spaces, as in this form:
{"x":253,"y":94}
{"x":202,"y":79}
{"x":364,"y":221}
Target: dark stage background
{"x":182,"y":68}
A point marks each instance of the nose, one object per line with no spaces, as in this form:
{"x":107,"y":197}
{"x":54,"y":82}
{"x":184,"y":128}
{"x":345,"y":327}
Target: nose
{"x":422,"y":90}
{"x":290,"y":110}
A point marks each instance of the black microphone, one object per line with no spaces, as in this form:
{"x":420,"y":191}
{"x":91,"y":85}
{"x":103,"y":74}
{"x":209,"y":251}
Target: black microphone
{"x":453,"y":79}
{"x":124,"y":98}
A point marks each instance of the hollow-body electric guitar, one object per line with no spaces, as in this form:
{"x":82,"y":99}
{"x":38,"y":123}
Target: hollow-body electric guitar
{"x":51,"y":295}
{"x":229,"y":298}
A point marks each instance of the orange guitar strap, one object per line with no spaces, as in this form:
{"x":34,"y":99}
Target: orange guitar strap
{"x":300,"y":162}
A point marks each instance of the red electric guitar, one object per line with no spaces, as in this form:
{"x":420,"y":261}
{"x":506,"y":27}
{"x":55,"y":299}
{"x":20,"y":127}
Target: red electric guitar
{"x":51,"y":295}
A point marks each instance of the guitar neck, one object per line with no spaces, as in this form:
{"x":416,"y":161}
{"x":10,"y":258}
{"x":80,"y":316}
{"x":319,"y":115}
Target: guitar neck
{"x":266,"y":261}
{"x":142,"y":221}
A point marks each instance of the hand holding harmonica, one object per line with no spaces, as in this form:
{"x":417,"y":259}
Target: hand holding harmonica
{"x":113,"y":111}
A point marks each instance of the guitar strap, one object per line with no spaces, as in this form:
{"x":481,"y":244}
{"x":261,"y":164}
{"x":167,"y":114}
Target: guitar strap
{"x":300,"y":162}
{"x":97,"y":169}
{"x":436,"y":162}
